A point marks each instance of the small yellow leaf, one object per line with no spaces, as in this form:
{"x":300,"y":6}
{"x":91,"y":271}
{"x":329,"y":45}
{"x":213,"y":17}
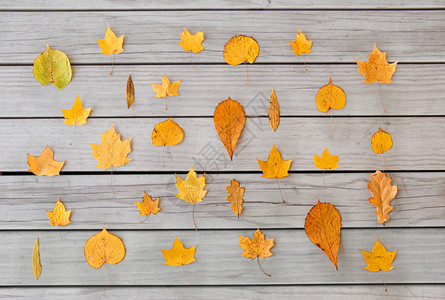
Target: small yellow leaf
{"x":274,"y":111}
{"x":235,"y":197}
{"x":382,"y":195}
{"x":191,"y":42}
{"x":130,"y":92}
{"x":241,"y":48}
{"x":178,"y":255}
{"x":167,"y":133}
{"x":111,"y":44}
{"x":381,"y":141}
{"x":377,"y":68}
{"x":36,"y":266}
{"x":104,"y":247}
{"x":45,"y":163}
{"x":76,"y":115}
{"x":59,"y":216}
{"x":166,"y":88}
{"x":275,"y":166}
{"x":330,"y":96}
{"x":148,"y":206}
{"x":301,"y":44}
{"x":379,"y":258}
{"x":326,"y":161}
{"x":258,"y":246}
{"x":191,"y":189}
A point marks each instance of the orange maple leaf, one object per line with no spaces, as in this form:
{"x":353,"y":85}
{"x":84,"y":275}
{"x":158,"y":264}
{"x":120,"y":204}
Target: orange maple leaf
{"x":256,"y":247}
{"x":376,"y":68}
{"x":45,"y":163}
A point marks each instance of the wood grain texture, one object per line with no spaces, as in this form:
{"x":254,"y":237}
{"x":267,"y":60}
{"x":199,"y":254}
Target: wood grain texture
{"x":416,"y":90}
{"x":152,"y":36}
{"x":24,"y":199}
{"x":296,"y":260}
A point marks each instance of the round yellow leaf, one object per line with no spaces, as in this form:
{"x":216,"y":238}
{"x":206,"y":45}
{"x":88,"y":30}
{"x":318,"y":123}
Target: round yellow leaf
{"x":167,"y":133}
{"x":381,"y":141}
{"x":104,"y":247}
{"x":330,"y":96}
{"x":241,"y":48}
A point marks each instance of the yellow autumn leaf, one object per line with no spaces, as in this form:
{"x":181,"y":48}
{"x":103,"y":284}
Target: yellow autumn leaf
{"x":241,"y":48}
{"x":376,"y":68}
{"x":130,"y":92}
{"x":76,"y":115}
{"x":379,"y":258}
{"x":330,"y":96}
{"x":59,"y":216}
{"x":104,"y":247}
{"x":382,"y":195}
{"x":178,"y":255}
{"x":111,"y":44}
{"x":45,"y":163}
{"x":36,"y":265}
{"x":167,"y":133}
{"x":274,"y":111}
{"x":381,"y":141}
{"x":275,"y":166}
{"x":256,"y":247}
{"x":301,"y":44}
{"x":166,"y":88}
{"x":148,"y":206}
{"x":235,"y":197}
{"x":326,"y":161}
{"x":191,"y":42}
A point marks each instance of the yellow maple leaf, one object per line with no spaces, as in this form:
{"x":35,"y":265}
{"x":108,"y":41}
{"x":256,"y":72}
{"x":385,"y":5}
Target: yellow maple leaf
{"x":191,"y":42}
{"x":382,"y":195}
{"x":167,"y":133}
{"x":379,"y":258}
{"x":111,"y":44}
{"x":59,"y":216}
{"x":148,"y":206}
{"x":275,"y":166}
{"x":178,"y":255}
{"x":301,"y":44}
{"x":36,"y":265}
{"x":381,"y":141}
{"x":112,"y":151}
{"x":326,"y":161}
{"x":330,"y":96}
{"x":166,"y":88}
{"x":76,"y":115}
{"x":241,"y":48}
{"x":376,"y":68}
{"x":45,"y":163}
{"x":104,"y":247}
{"x":256,"y":247}
{"x":235,"y":197}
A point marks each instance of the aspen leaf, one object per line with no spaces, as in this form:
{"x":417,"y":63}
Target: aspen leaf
{"x":166,"y":88}
{"x":275,"y":166}
{"x":382,"y":195}
{"x":191,"y":42}
{"x":379,"y":258}
{"x":241,"y":48}
{"x":301,"y":44}
{"x":330,"y":96}
{"x":111,"y":44}
{"x":148,"y":206}
{"x":322,"y":226}
{"x":274,"y":111}
{"x":130,"y":92}
{"x":178,"y":255}
{"x":104,"y":247}
{"x":167,"y":133}
{"x":229,"y":119}
{"x":326,"y":161}
{"x":36,"y":265}
{"x":256,"y":247}
{"x":112,"y":151}
{"x":45,"y":163}
{"x":381,"y":141}
{"x":59,"y":216}
{"x":376,"y":68}
{"x":77,"y":115}
{"x":52,"y":66}
{"x":235,"y":197}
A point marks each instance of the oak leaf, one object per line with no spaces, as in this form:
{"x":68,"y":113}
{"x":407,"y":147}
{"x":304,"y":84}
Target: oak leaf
{"x":45,"y":163}
{"x":229,"y":119}
{"x":191,"y":42}
{"x":148,"y":206}
{"x":59,"y":216}
{"x":104,"y":247}
{"x":376,"y":68}
{"x":235,"y":197}
{"x":241,"y":48}
{"x":379,"y":258}
{"x":322,"y":226}
{"x":178,"y":255}
{"x":167,"y":133}
{"x":326,"y":161}
{"x":256,"y":247}
{"x":130,"y":92}
{"x":301,"y":44}
{"x":382,"y":195}
{"x":77,"y":115}
{"x":112,"y":151}
{"x":111,"y":44}
{"x":52,"y":66}
{"x":36,"y":265}
{"x":166,"y":88}
{"x":275,"y":166}
{"x":274,"y":111}
{"x":330,"y":96}
{"x":381,"y":141}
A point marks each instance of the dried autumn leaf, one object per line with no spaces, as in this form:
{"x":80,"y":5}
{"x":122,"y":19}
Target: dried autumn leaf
{"x":36,"y":265}
{"x":167,"y":133}
{"x":111,"y":44}
{"x":376,"y":68}
{"x":274,"y":111}
{"x":59,"y":216}
{"x":301,"y":44}
{"x":275,"y":166}
{"x":322,"y":226}
{"x":148,"y":206}
{"x":112,"y":151}
{"x":130,"y":92}
{"x":379,"y":258}
{"x":326,"y":161}
{"x":191,"y":42}
{"x":178,"y":255}
{"x":381,"y":141}
{"x":229,"y":119}
{"x":235,"y":197}
{"x":53,"y":66}
{"x":166,"y":88}
{"x":256,"y":247}
{"x":382,"y":195}
{"x":104,"y":247}
{"x":330,"y":96}
{"x":45,"y":163}
{"x":76,"y":115}
{"x":241,"y":48}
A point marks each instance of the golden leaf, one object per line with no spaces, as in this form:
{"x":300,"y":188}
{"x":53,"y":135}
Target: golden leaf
{"x":275,"y":166}
{"x":377,"y":68}
{"x":53,"y":66}
{"x":382,"y":195}
{"x":191,"y":42}
{"x":301,"y":44}
{"x":166,"y":88}
{"x":111,"y":44}
{"x":104,"y":247}
{"x":241,"y":48}
{"x":112,"y":151}
{"x":76,"y":115}
{"x":167,"y":133}
{"x":148,"y":206}
{"x":326,"y":161}
{"x":130,"y":92}
{"x":229,"y":119}
{"x":178,"y":255}
{"x":258,"y":246}
{"x":235,"y":197}
{"x":36,"y":265}
{"x":191,"y":189}
{"x":379,"y":258}
{"x":45,"y":163}
{"x":330,"y":96}
{"x":59,"y":216}
{"x":381,"y":141}
{"x":274,"y":111}
{"x":322,"y":226}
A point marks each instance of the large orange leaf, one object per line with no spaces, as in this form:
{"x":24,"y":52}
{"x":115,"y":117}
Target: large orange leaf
{"x":45,"y":163}
{"x":104,"y":247}
{"x":376,"y":68}
{"x":382,"y":195}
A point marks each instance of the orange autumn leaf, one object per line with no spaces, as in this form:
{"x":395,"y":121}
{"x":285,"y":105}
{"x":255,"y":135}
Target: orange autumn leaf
{"x":241,"y":48}
{"x":148,"y":206}
{"x":382,"y":195}
{"x":166,"y":88}
{"x":235,"y":197}
{"x":381,"y":141}
{"x":104,"y":247}
{"x":379,"y":258}
{"x":178,"y":255}
{"x":376,"y":68}
{"x":45,"y":163}
{"x":112,"y":151}
{"x":330,"y":96}
{"x":111,"y":44}
{"x":274,"y":111}
{"x":192,"y":42}
{"x":167,"y":133}
{"x":275,"y":166}
{"x":59,"y":216}
{"x":256,"y":247}
{"x":229,"y":119}
{"x":77,"y":115}
{"x":130,"y":92}
{"x":322,"y":226}
{"x":326,"y":161}
{"x":301,"y":44}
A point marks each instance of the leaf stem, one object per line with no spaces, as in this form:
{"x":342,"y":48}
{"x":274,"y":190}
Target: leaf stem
{"x":145,"y":219}
{"x":193,"y":216}
{"x":383,"y":156}
{"x":258,"y":260}
{"x":282,"y":198}
{"x":380,"y":95}
{"x":245,"y":71}
{"x":111,"y":180}
{"x":112,"y":64}
{"x":183,"y":273}
{"x":304,"y":60}
{"x":74,"y":133}
{"x":163,"y":156}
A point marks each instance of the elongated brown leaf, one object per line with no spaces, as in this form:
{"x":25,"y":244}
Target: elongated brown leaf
{"x":274,"y":111}
{"x":130,"y":92}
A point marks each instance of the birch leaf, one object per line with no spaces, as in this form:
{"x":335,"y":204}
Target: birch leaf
{"x":45,"y":164}
{"x":130,"y":92}
{"x":59,"y":216}
{"x":192,"y":42}
{"x":235,"y":197}
{"x":104,"y":247}
{"x":36,"y":265}
{"x":167,"y":133}
{"x":274,"y":111}
{"x":77,"y":115}
{"x":382,"y":195}
{"x":52,"y":66}
{"x":381,"y":141}
{"x":330,"y":96}
{"x":376,"y":68}
{"x":379,"y":259}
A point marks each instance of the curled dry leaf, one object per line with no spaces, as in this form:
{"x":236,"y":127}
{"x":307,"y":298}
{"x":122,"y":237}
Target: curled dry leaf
{"x":382,"y":195}
{"x":235,"y":197}
{"x":241,"y":48}
{"x":178,"y":255}
{"x":379,"y":258}
{"x":45,"y":163}
{"x":376,"y":68}
{"x":192,"y":42}
{"x":330,"y":96}
{"x":275,"y":166}
{"x":148,"y":206}
{"x":167,"y":133}
{"x":326,"y":161}
{"x":130,"y":92}
{"x":322,"y":226}
{"x":381,"y":141}
{"x":274,"y":111}
{"x":59,"y":216}
{"x":104,"y":247}
{"x":52,"y":66}
{"x":166,"y":88}
{"x":36,"y":265}
{"x":111,"y":44}
{"x":301,"y":44}
{"x":256,"y":247}
{"x":77,"y":115}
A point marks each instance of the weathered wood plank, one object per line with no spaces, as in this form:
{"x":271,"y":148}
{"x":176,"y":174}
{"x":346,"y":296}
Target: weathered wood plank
{"x":24,"y":200}
{"x":416,"y":90}
{"x":152,"y":36}
{"x":416,"y":145}
{"x":295,"y":261}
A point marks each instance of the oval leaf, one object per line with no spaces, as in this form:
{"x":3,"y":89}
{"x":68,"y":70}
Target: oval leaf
{"x":53,"y":66}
